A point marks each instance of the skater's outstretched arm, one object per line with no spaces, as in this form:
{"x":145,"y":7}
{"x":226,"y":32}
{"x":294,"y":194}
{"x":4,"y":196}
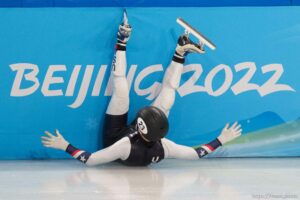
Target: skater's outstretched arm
{"x":173,"y":150}
{"x":119,"y":150}
{"x":171,"y":80}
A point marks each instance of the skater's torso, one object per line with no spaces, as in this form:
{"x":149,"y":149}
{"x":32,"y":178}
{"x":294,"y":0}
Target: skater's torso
{"x":143,"y":153}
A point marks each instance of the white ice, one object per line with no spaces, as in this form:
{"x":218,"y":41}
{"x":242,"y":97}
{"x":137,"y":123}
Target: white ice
{"x":264,"y":178}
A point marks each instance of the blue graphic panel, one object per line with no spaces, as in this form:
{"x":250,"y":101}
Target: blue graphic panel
{"x":10,"y":3}
{"x":251,"y":77}
{"x":141,"y":3}
{"x":170,"y":3}
{"x":37,"y":3}
{"x":296,"y":2}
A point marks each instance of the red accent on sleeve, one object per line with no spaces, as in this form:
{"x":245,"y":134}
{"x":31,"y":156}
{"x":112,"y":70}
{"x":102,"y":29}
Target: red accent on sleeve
{"x":73,"y":154}
{"x":210,"y":147}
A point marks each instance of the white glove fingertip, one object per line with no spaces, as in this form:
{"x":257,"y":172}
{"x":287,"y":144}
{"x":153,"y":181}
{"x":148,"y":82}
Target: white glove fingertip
{"x":234,"y":125}
{"x":226,"y":126}
{"x":49,"y":134}
{"x":238,"y":127}
{"x":44,"y":141}
{"x":45,"y":138}
{"x":58,"y":133}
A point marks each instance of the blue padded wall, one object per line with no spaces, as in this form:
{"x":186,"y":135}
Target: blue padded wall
{"x":170,"y":3}
{"x":37,"y":3}
{"x":42,"y":48}
{"x":10,"y":3}
{"x":143,"y":3}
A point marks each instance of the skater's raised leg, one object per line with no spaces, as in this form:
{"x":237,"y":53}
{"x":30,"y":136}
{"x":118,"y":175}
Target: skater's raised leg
{"x":117,"y":111}
{"x":171,"y":81}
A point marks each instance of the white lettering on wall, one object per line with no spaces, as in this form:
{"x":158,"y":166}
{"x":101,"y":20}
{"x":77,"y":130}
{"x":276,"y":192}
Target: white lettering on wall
{"x":26,"y":73}
{"x":16,"y":90}
{"x":151,"y":91}
{"x":51,"y":80}
{"x":84,"y":86}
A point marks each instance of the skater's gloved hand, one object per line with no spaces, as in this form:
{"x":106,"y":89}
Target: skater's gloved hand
{"x":185,"y":46}
{"x":231,"y":133}
{"x":124,"y":33}
{"x":56,"y":142}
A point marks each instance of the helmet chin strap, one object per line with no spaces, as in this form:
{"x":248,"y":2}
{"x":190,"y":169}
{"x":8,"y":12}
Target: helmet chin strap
{"x":141,"y":134}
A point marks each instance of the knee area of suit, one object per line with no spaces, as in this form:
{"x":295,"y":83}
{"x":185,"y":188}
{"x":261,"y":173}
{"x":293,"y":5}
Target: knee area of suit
{"x":121,"y":87}
{"x":166,"y":101}
{"x":172,"y":80}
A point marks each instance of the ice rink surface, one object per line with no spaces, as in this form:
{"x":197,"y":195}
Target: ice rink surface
{"x":263,"y":178}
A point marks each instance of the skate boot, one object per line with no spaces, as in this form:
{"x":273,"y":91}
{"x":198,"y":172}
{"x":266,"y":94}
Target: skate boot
{"x":123,"y":33}
{"x":186,"y":46}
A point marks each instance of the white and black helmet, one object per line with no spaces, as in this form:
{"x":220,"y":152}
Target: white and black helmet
{"x":152,"y":123}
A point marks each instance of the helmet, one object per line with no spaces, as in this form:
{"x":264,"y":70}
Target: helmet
{"x":152,"y":123}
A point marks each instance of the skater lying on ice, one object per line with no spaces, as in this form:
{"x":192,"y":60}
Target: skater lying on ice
{"x":142,"y":142}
